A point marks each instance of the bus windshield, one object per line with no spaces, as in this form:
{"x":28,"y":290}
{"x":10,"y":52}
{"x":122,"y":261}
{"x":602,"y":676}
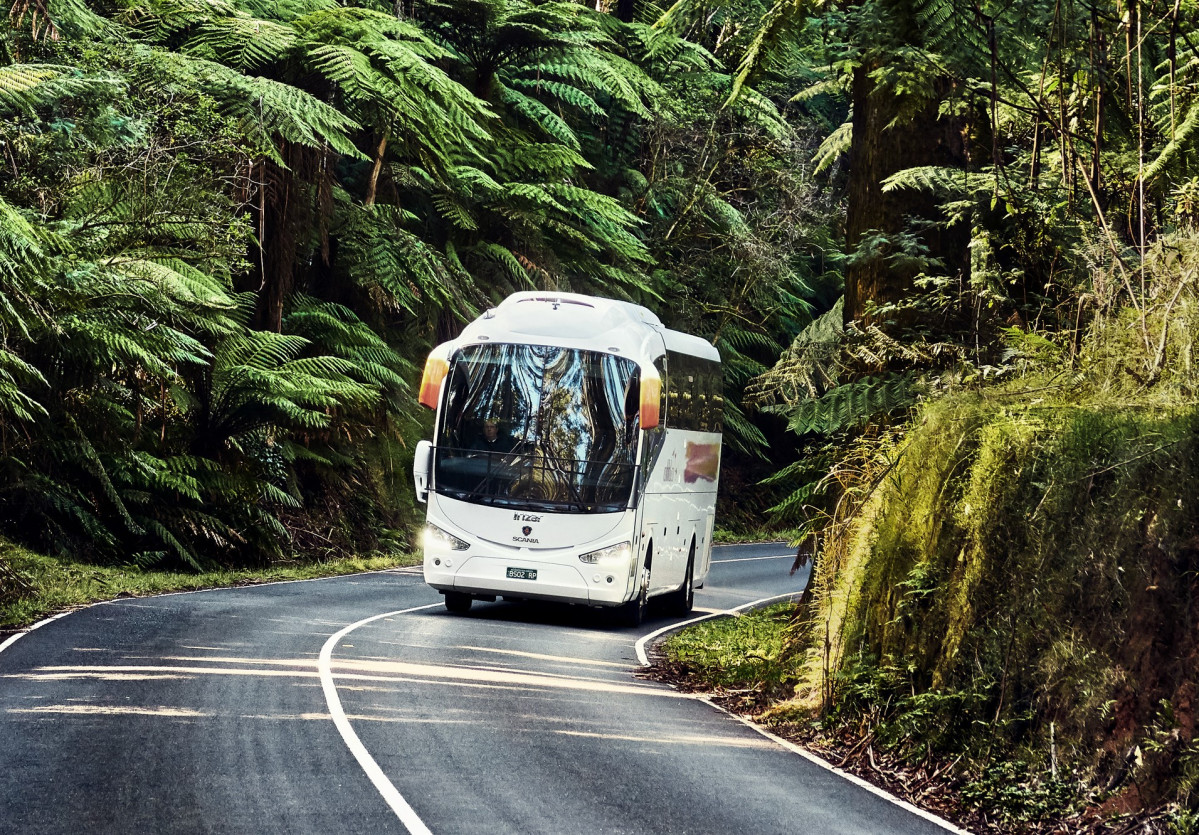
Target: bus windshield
{"x":539,"y":428}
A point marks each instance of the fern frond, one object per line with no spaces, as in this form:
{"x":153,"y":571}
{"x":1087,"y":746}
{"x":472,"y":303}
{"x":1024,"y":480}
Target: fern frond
{"x":853,"y":404}
{"x":262,"y":108}
{"x":541,"y":116}
{"x":1181,"y":141}
{"x":242,"y":42}
{"x":503,"y":257}
{"x":941,"y":181}
{"x":811,"y":365}
{"x":834,"y":146}
{"x":564,"y":93}
{"x":779,"y":28}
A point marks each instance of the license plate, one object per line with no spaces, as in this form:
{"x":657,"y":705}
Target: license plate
{"x":522,"y":573}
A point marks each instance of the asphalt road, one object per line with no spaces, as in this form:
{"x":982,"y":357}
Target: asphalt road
{"x":359,"y":704}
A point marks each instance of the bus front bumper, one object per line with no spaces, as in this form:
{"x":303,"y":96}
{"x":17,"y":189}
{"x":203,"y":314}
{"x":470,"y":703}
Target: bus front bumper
{"x":589,"y":584}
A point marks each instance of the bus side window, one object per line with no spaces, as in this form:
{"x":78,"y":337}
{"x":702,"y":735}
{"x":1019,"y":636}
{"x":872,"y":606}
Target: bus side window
{"x":717,"y":404}
{"x":664,"y":396}
{"x":696,"y":393}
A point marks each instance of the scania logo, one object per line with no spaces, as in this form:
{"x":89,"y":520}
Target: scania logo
{"x":526,"y":530}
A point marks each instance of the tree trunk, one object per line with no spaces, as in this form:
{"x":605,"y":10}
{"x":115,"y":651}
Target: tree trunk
{"x":286,"y":208}
{"x":876,"y":152}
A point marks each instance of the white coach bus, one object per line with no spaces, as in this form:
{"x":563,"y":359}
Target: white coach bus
{"x":575,"y":457}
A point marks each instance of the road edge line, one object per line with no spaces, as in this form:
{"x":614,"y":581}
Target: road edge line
{"x":386,"y":788}
{"x":827,"y":766}
{"x":12,"y":639}
{"x":643,"y":658}
{"x":23,"y":631}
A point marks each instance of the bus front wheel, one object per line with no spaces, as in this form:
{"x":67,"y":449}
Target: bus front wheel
{"x":682,"y":600}
{"x":457,"y":602}
{"x":633,"y":612}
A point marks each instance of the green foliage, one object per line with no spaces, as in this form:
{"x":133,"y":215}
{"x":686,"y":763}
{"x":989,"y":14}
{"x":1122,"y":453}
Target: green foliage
{"x":852,"y":405}
{"x":33,"y":586}
{"x":233,"y":229}
{"x":1002,"y":573}
{"x":1015,"y":795}
{"x":741,"y":652}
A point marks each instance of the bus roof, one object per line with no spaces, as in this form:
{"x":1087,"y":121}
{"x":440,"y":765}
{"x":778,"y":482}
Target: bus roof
{"x":531,"y":302}
{"x":575,"y":320}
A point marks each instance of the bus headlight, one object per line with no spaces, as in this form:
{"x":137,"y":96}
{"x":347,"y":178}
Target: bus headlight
{"x":618,"y":552}
{"x":438,"y":540}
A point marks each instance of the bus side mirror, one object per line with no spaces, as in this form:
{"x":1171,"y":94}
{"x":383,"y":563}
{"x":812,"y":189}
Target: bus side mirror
{"x":651,"y":398}
{"x":420,"y":469}
{"x":436,"y":368}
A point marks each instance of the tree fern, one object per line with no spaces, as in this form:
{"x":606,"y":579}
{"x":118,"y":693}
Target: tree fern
{"x":263,"y":109}
{"x":396,"y":267}
{"x":335,"y":329}
{"x":943,"y":182}
{"x":566,"y":94}
{"x":26,"y":87}
{"x":834,"y":146}
{"x":777,"y":31}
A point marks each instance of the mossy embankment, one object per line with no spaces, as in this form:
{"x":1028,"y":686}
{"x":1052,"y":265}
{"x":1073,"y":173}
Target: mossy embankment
{"x":1012,"y":592}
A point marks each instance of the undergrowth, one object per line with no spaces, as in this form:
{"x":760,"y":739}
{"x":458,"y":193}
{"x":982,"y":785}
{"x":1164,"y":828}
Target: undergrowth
{"x":34,"y":586}
{"x":744,"y":652}
{"x":1006,"y":591}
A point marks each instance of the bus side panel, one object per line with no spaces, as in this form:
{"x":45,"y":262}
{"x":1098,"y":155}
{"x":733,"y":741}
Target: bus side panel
{"x":679,"y":505}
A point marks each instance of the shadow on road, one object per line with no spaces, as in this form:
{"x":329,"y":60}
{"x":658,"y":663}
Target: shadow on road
{"x":560,"y":614}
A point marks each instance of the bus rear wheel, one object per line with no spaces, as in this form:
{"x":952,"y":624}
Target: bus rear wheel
{"x":457,"y":602}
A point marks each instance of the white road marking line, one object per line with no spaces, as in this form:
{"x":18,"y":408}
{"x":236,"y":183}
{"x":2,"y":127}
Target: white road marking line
{"x":791,"y":746}
{"x":390,"y":793}
{"x":538,"y":656}
{"x":754,"y":559}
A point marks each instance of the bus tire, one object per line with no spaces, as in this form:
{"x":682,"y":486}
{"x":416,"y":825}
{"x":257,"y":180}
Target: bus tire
{"x":457,"y":602}
{"x":633,"y":612}
{"x":681,"y":601}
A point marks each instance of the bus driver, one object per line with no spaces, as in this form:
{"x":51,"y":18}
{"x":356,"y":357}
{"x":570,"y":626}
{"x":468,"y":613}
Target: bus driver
{"x":491,"y":440}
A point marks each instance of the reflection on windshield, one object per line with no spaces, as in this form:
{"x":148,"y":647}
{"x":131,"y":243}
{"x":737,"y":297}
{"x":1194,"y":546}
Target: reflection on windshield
{"x":540,"y":428}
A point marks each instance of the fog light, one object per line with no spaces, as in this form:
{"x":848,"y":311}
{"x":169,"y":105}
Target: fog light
{"x":609,"y":578}
{"x":437,"y":561}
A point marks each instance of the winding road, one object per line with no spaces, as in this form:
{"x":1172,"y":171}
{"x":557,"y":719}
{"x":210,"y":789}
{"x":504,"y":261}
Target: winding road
{"x":358,"y":704}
